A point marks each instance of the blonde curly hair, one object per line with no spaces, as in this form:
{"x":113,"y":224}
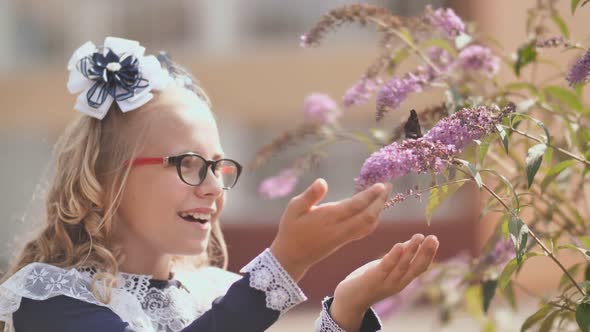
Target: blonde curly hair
{"x":86,"y":191}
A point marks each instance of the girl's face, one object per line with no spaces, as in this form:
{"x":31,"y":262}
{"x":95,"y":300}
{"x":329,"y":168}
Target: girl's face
{"x":155,"y":197}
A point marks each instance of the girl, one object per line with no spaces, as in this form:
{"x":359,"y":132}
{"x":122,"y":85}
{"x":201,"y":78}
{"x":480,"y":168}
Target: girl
{"x":132,"y":239}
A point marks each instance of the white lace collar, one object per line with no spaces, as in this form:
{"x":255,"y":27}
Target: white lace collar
{"x":151,"y":309}
{"x":145,"y":307}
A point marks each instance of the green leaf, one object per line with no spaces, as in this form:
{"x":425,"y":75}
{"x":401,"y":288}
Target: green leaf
{"x":505,"y":230}
{"x":488,"y":289}
{"x":525,"y":55}
{"x":586,"y":241}
{"x":440,"y":43}
{"x":398,"y":58}
{"x":536,"y":317}
{"x":474,"y":172}
{"x":555,"y":171}
{"x":533,"y":161}
{"x":583,"y":316}
{"x":574,"y":5}
{"x":506,"y":275}
{"x":587,"y":273}
{"x":572,"y":270}
{"x":508,"y":293}
{"x":558,"y":20}
{"x":462,"y":40}
{"x":405,"y":35}
{"x":503,"y":136}
{"x":548,"y":322}
{"x":566,"y":97}
{"x":483,"y":152}
{"x":489,"y":326}
{"x":437,"y":196}
{"x":583,"y":251}
{"x":522,"y":85}
{"x":513,"y":121}
{"x":519,"y":234}
{"x":364,"y":139}
{"x":473,"y":300}
{"x":508,"y":185}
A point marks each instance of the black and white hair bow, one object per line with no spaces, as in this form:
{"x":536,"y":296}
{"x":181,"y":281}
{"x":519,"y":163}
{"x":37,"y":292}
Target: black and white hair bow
{"x":117,"y":72}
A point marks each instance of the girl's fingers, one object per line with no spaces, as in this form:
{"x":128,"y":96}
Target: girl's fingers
{"x":358,"y":203}
{"x":410,"y":248}
{"x":422,"y":260}
{"x":390,"y":260}
{"x":365,"y":221}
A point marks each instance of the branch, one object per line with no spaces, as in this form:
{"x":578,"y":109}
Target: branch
{"x":539,"y":242}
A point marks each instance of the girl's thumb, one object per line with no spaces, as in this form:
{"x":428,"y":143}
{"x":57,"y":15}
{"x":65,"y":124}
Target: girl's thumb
{"x":311,"y":196}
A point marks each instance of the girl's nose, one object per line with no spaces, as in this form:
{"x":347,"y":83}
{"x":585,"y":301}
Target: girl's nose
{"x":211,"y":186}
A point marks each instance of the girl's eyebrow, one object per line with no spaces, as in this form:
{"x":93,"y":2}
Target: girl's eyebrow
{"x":215,"y":156}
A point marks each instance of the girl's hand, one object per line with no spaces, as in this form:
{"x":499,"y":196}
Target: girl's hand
{"x":380,"y":279}
{"x":309,"y":232}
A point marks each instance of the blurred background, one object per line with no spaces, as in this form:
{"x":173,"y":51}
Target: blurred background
{"x":246,"y":54}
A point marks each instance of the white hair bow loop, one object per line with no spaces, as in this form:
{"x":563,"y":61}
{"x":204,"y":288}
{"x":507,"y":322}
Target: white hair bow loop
{"x":117,"y":72}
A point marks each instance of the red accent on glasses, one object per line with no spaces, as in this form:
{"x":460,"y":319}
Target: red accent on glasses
{"x":227,"y":169}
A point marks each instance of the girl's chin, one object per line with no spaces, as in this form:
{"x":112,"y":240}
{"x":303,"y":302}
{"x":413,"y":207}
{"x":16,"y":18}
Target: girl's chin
{"x":193,"y":249}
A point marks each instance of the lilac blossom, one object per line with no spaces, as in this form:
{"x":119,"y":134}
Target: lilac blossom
{"x":445,"y":20}
{"x":441,"y":57}
{"x":320,"y":108}
{"x":398,"y":159}
{"x":478,"y":58}
{"x":432,"y":151}
{"x":279,"y":185}
{"x":461,"y":128}
{"x":360,"y":93}
{"x":580,"y":71}
{"x":399,"y":302}
{"x":396,"y":90}
{"x":501,"y":253}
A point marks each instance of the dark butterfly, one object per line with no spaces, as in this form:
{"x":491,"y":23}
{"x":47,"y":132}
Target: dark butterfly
{"x":412,"y":126}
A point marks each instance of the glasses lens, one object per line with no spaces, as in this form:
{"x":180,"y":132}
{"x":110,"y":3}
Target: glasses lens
{"x":191,"y":168}
{"x":227,"y":170}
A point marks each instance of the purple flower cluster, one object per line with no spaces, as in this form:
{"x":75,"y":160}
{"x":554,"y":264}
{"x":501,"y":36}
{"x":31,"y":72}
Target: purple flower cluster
{"x":479,"y":58}
{"x":432,"y":151}
{"x":397,"y":89}
{"x":501,"y":254}
{"x":580,"y":71}
{"x":445,"y":20}
{"x":461,"y":128}
{"x":320,"y":108}
{"x":279,"y":185}
{"x":401,"y":301}
{"x":360,"y":93}
{"x":441,"y":58}
{"x":398,"y":159}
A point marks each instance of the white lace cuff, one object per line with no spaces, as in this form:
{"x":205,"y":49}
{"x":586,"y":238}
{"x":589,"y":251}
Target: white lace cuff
{"x":267,"y":275}
{"x":325,"y":323}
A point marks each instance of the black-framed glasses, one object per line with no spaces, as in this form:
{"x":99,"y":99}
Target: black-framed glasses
{"x":192,"y":168}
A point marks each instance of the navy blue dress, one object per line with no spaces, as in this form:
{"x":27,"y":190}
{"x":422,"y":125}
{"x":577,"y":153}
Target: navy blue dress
{"x":242,"y":308}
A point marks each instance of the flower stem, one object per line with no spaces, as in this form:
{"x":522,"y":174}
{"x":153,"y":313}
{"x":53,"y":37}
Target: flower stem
{"x":389,"y":203}
{"x":539,"y":242}
{"x":411,"y":45}
{"x":567,"y":153}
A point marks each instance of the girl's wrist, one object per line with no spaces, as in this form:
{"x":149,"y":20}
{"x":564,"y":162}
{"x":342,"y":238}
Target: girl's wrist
{"x":349,"y":317}
{"x":295,"y":269}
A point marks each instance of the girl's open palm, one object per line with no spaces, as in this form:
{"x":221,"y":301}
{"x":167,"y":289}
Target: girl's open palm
{"x":384,"y":277}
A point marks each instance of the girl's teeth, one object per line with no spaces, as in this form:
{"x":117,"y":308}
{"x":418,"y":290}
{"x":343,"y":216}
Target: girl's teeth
{"x":196,"y":215}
